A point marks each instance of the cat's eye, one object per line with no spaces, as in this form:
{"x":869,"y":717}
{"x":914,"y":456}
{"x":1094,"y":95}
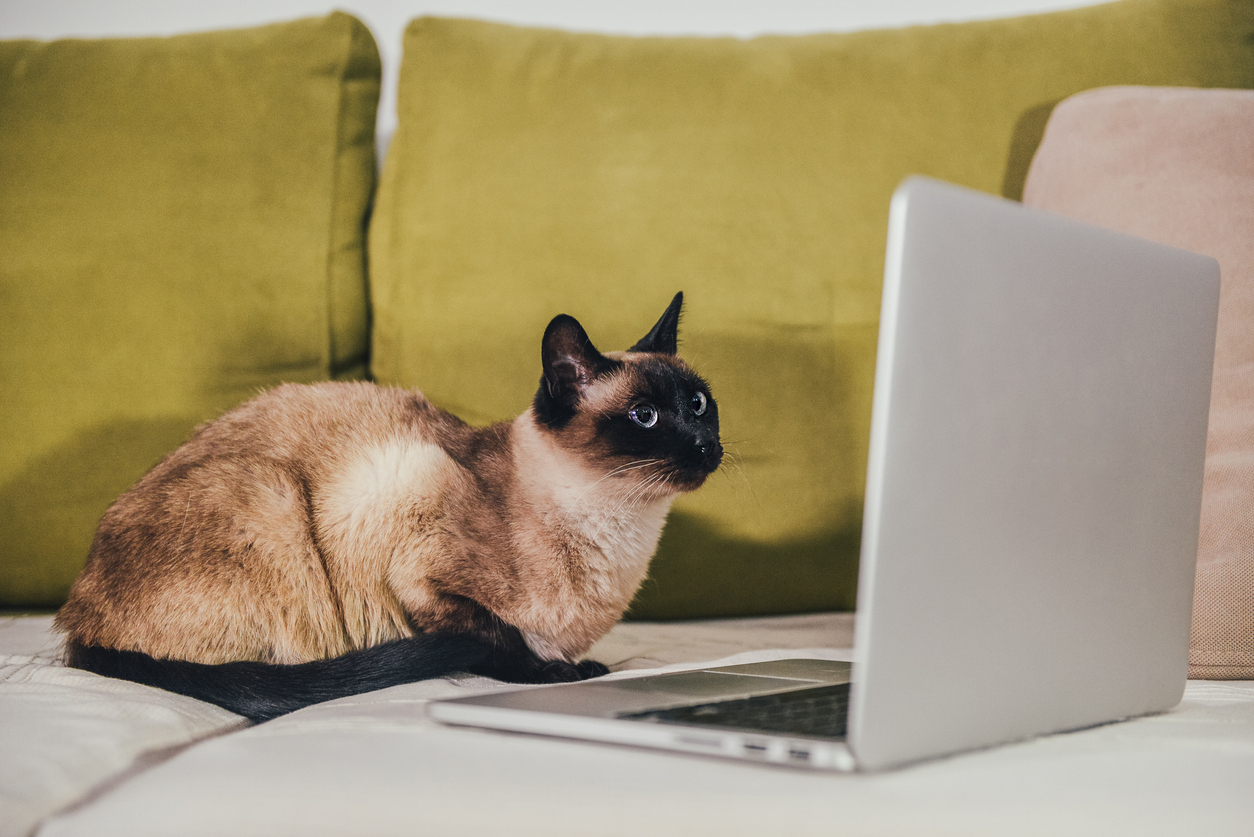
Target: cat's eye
{"x":645,"y":415}
{"x":699,"y":403}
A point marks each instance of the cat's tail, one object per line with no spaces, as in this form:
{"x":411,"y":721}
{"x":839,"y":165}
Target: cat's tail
{"x":261,"y":691}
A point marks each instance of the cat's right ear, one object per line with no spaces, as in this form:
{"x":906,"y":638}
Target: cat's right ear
{"x":664,"y":336}
{"x":571,"y":363}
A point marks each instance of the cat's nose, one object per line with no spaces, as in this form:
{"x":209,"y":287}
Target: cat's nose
{"x":711,"y":452}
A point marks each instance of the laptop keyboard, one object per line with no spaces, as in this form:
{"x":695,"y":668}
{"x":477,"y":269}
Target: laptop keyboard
{"x":819,"y":712}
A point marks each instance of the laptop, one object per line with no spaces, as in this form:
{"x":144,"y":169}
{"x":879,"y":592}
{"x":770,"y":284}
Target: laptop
{"x":1030,"y":530}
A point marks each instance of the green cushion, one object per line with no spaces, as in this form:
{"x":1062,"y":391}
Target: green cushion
{"x":535,"y":172}
{"x":181,"y":223}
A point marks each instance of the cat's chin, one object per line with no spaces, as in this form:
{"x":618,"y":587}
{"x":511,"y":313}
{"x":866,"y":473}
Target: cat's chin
{"x":684,"y":481}
{"x":693,"y":474}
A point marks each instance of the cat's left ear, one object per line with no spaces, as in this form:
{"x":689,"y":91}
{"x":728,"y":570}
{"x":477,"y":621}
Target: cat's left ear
{"x":663,"y":338}
{"x":570,"y":360}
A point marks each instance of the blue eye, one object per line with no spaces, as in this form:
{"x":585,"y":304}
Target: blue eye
{"x":645,"y":415}
{"x":699,"y":403}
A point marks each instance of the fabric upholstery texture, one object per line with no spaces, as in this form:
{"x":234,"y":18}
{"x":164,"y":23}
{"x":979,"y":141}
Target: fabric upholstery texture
{"x":71,"y":737}
{"x":1177,"y":166}
{"x":69,"y":732}
{"x":131,"y":760}
{"x":535,"y":172}
{"x":182,"y":222}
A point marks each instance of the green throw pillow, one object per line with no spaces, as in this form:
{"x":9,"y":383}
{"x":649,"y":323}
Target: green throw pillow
{"x":535,"y":172}
{"x":181,"y":223}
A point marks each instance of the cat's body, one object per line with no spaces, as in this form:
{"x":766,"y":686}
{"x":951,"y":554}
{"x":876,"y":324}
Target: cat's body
{"x":319,"y":520}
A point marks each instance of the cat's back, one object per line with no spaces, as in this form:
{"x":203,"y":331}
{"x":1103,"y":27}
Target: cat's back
{"x":311,"y":423}
{"x":229,"y":524}
{"x":295,"y":439}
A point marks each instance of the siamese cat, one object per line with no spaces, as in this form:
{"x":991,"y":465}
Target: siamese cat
{"x":329,"y":539}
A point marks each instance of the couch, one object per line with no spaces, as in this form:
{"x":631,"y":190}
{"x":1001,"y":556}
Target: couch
{"x":188,"y":219}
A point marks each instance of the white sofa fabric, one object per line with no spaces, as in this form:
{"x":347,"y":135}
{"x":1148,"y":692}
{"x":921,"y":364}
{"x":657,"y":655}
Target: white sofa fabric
{"x":83,"y":755}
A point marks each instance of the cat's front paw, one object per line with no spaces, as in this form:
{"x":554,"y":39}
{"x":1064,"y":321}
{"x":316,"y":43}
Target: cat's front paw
{"x":560,"y":671}
{"x":591,"y":668}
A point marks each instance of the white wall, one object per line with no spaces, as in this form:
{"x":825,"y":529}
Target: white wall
{"x":387,"y":18}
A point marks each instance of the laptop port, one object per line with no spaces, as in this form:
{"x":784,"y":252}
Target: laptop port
{"x":756,"y":749}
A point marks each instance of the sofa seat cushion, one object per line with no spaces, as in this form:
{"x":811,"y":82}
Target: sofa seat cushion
{"x":181,"y":223}
{"x":374,"y":764}
{"x":68,"y":734}
{"x":1177,"y":166}
{"x":535,"y":172}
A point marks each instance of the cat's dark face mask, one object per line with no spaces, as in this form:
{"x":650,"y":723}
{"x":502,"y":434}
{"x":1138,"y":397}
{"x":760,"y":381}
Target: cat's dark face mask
{"x":643,"y":409}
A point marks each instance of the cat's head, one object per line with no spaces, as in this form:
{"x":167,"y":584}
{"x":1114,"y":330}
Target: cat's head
{"x":644,"y":411}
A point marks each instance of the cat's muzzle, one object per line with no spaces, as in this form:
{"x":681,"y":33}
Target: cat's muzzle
{"x":699,"y":461}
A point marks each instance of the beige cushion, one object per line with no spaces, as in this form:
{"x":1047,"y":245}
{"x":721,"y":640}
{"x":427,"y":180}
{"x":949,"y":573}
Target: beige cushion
{"x":1177,"y":165}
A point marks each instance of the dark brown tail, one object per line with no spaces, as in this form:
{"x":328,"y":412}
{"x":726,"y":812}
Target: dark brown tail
{"x":262,"y":691}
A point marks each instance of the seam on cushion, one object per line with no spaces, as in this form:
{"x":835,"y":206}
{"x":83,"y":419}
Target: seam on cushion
{"x":143,"y":762}
{"x":331,"y":360}
{"x":337,"y":166}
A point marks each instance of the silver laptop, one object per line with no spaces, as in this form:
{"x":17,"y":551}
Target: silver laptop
{"x":1032,"y":502}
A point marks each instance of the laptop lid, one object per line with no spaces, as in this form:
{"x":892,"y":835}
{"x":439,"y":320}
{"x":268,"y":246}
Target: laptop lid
{"x":1034,"y":483}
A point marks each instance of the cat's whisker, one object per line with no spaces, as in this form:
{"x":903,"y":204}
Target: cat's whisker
{"x":644,"y":494}
{"x":638,"y":495}
{"x":636,"y":491}
{"x":627,"y":504}
{"x":634,"y":465}
{"x":733,"y":463}
{"x":735,"y":474}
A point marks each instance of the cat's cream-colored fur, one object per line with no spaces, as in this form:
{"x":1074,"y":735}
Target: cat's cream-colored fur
{"x":316,"y":520}
{"x":357,"y":528}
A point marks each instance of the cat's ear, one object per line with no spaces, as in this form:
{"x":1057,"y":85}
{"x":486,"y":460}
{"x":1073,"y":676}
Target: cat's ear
{"x":571,"y":362}
{"x":663,"y":338}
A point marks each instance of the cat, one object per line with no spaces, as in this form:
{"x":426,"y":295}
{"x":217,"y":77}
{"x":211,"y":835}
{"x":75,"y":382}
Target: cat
{"x":327,"y":539}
